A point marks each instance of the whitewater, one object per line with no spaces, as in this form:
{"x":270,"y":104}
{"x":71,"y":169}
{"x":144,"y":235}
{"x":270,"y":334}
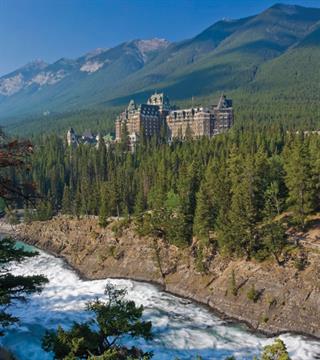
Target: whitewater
{"x":181,"y":328}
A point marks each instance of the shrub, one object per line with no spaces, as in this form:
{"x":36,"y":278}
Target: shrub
{"x":272,"y":302}
{"x":116,"y":319}
{"x":253,"y":294}
{"x":200,"y":260}
{"x":233,"y":285}
{"x":300,"y":262}
{"x":119,"y":225}
{"x":275,"y":351}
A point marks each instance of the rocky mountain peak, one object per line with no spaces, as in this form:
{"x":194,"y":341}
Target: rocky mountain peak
{"x":154,"y":44}
{"x":36,"y":64}
{"x":94,"y":53}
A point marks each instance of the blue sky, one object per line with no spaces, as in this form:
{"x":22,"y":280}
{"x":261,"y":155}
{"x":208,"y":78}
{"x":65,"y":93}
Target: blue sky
{"x":51,"y":29}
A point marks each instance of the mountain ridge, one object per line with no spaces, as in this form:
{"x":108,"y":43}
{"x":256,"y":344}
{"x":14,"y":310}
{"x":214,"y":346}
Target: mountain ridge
{"x":226,"y":56}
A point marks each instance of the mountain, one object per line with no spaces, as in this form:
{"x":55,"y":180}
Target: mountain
{"x":273,"y":50}
{"x":66,"y":83}
{"x":25,"y":76}
{"x":235,"y":60}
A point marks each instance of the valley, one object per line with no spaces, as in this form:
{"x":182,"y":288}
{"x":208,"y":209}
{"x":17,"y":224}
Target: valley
{"x":235,"y":55}
{"x":171,"y":187}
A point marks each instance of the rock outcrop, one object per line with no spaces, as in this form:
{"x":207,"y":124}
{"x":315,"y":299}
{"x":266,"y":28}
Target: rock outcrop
{"x":268,"y":297}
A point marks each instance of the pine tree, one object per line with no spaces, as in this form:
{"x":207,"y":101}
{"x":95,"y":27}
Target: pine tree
{"x":273,"y":202}
{"x":238,"y":232}
{"x":140,"y":202}
{"x":66,"y":201}
{"x":102,"y":160}
{"x":77,"y":203}
{"x":299,"y":181}
{"x":204,"y":214}
{"x":44,"y":210}
{"x":14,"y":288}
{"x":27,"y":215}
{"x":103,"y":210}
{"x":117,"y":320}
{"x":315,"y":168}
{"x":158,"y":192}
{"x":261,"y":171}
{"x":275,"y":351}
{"x":124,"y":138}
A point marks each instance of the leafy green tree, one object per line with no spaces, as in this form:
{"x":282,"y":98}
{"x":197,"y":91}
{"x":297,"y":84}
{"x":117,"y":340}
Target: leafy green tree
{"x":275,"y":351}
{"x":115,"y":320}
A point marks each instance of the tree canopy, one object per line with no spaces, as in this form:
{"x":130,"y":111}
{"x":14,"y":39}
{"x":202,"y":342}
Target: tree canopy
{"x":113,"y":319}
{"x":13,"y":155}
{"x":230,"y":189}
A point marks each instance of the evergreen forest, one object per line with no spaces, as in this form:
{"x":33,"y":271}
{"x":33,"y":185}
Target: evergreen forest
{"x":238,"y":192}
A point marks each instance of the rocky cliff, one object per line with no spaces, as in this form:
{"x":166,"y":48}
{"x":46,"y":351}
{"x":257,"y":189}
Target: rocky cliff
{"x":268,"y":297}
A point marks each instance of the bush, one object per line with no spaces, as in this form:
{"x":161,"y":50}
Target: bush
{"x":144,"y":225}
{"x":300,"y":262}
{"x":233,"y":285}
{"x":44,"y":211}
{"x":253,"y":294}
{"x":275,"y":351}
{"x":116,"y":320}
{"x":120,"y":225}
{"x":12,"y":217}
{"x":173,"y":227}
{"x":272,"y":302}
{"x":200,"y":260}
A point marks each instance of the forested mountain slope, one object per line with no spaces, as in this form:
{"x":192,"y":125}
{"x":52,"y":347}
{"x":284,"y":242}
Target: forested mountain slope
{"x":270,"y":52}
{"x":233,"y":64}
{"x":295,"y":72}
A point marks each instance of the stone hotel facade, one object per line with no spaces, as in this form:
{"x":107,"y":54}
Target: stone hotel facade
{"x":194,"y":122}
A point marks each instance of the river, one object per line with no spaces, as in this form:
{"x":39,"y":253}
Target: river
{"x":181,"y":328}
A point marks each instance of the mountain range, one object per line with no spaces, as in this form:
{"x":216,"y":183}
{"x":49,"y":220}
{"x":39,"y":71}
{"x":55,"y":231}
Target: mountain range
{"x":275,"y":51}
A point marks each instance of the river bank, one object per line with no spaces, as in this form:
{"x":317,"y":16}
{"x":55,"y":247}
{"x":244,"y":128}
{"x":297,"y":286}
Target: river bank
{"x":288,"y":299}
{"x":181,"y":328}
